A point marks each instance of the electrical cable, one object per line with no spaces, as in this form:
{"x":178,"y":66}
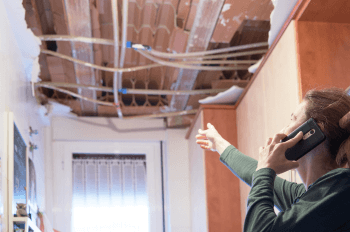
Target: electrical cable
{"x":75,"y":94}
{"x":124,"y":36}
{"x":98,"y":66}
{"x":130,"y":91}
{"x":161,"y":115}
{"x":132,"y":69}
{"x":76,"y":39}
{"x":219,"y":62}
{"x":236,"y":54}
{"x":116,"y":55}
{"x":193,"y":67}
{"x":157,"y":53}
{"x":221,"y":50}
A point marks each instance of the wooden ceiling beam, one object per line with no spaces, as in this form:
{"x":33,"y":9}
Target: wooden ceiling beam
{"x":204,"y":23}
{"x":79,"y":24}
{"x":33,"y":20}
{"x":199,"y":38}
{"x":60,"y":28}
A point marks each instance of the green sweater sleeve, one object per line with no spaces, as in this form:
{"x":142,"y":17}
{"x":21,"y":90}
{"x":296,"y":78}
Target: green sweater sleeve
{"x":323,"y":208}
{"x":284,"y":192}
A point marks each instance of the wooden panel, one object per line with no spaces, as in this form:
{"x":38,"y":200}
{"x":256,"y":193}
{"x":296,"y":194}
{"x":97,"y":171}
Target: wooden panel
{"x":327,"y":11}
{"x":201,"y":32}
{"x":223,"y":196}
{"x":298,"y":8}
{"x":197,"y":180}
{"x":79,"y":24}
{"x":324,"y":53}
{"x":201,"y":108}
{"x":268,"y":103}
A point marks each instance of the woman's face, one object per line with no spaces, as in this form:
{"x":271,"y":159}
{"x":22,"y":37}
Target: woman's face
{"x":298,"y":117}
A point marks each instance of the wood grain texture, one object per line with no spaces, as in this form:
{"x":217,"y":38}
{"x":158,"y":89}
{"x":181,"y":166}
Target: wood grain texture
{"x":269,"y":102}
{"x":206,"y":106}
{"x":79,"y":24}
{"x":198,"y":40}
{"x":223,"y":196}
{"x":297,"y":8}
{"x":327,"y":11}
{"x":199,"y":218}
{"x":324,"y":55}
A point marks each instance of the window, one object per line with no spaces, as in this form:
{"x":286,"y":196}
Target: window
{"x":66,"y":211}
{"x":109,"y":193}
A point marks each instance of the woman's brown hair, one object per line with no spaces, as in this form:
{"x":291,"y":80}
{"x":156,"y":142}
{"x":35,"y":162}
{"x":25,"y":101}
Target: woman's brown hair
{"x":327,"y":107}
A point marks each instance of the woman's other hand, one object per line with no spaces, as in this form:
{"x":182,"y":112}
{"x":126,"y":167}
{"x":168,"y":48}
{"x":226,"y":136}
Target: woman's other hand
{"x":210,"y":139}
{"x":273,"y":154}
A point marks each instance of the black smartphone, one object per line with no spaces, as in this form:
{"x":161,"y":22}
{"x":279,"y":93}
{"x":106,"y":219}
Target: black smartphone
{"x":313,"y":136}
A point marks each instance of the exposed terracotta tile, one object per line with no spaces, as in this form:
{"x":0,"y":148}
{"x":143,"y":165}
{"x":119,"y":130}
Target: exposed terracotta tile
{"x":204,"y":79}
{"x":74,"y":105}
{"x":55,"y":65}
{"x":142,"y":76}
{"x":146,"y":38}
{"x":157,"y":75}
{"x":178,"y":40}
{"x":167,"y":17}
{"x":234,"y":12}
{"x":183,"y":11}
{"x":192,"y":15}
{"x":44,"y":70}
{"x":110,"y":111}
{"x":161,"y":40}
{"x":58,"y":78}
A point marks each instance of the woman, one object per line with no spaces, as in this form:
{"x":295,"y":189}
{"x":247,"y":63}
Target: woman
{"x":322,"y":202}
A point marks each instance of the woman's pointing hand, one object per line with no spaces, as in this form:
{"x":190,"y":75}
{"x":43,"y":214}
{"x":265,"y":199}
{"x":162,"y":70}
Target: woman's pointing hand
{"x":208,"y":138}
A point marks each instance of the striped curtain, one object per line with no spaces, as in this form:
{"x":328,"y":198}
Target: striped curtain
{"x":109,"y":194}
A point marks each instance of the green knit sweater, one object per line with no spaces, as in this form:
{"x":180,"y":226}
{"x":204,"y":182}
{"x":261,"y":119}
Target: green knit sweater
{"x":324,"y":207}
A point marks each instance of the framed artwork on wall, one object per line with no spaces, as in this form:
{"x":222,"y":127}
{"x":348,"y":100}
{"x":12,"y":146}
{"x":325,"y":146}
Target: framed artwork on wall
{"x":19,"y":169}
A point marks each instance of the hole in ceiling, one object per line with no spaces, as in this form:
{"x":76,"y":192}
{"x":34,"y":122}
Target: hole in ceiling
{"x":51,"y":45}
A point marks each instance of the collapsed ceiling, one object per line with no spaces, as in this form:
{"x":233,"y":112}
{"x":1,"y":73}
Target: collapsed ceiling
{"x":167,"y":27}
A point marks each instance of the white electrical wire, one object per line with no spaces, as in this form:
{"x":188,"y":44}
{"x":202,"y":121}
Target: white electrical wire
{"x":116,"y":55}
{"x":219,"y":62}
{"x":157,"y":53}
{"x":75,"y":94}
{"x":76,"y":39}
{"x":132,"y":69}
{"x":161,"y":115}
{"x":130,"y":91}
{"x":222,"y":50}
{"x":193,"y":67}
{"x":98,"y":66}
{"x":236,"y":54}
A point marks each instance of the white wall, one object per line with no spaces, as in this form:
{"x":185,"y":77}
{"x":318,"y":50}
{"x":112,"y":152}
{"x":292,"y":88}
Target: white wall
{"x":15,"y":96}
{"x":268,"y":104}
{"x":96,"y":129}
{"x":177,"y":164}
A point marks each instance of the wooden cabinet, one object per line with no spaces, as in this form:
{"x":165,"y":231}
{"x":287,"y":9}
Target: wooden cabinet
{"x":215,"y":195}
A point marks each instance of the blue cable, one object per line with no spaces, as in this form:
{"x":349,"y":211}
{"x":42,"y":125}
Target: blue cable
{"x":130,"y":44}
{"x":123,"y":91}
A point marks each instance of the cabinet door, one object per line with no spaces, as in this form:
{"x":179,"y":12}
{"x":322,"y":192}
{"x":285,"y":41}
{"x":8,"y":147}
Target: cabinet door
{"x":223,"y":195}
{"x":197,"y":180}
